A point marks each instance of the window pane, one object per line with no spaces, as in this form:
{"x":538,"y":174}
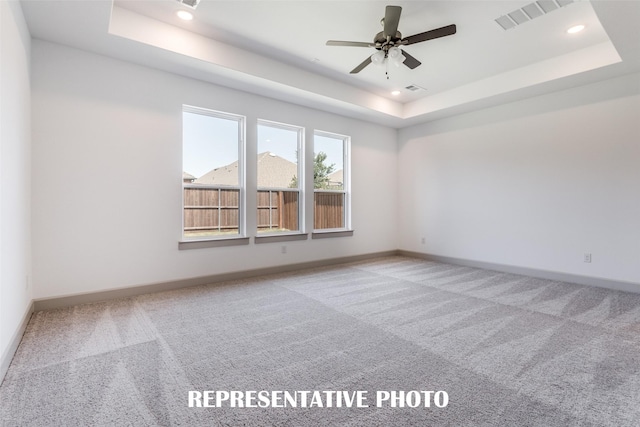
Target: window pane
{"x":278,"y":171}
{"x":328,"y":210}
{"x":277,"y":210}
{"x":211,"y":211}
{"x":210,"y":175}
{"x":210,"y":149}
{"x":328,"y":159}
{"x":277,"y":157}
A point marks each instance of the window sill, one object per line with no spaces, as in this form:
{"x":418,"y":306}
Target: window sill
{"x":274,"y":238}
{"x":331,"y":233}
{"x":212,"y":243}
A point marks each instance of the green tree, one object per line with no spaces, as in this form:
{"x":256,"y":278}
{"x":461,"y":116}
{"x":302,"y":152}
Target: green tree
{"x":321,"y":172}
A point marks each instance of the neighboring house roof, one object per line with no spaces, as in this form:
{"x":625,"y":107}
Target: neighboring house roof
{"x":273,"y":171}
{"x":187,"y":176}
{"x":336,"y":178}
{"x":224,"y":175}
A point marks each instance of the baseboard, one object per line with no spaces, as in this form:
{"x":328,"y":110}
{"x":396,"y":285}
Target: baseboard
{"x":526,"y":271}
{"x":75,"y":299}
{"x":8,"y":354}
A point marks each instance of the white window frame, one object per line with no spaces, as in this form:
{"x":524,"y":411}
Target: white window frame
{"x":300,"y":176}
{"x":346,"y":189}
{"x":223,"y":240}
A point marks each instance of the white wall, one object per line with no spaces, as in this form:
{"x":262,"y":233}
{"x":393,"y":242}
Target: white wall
{"x":15,"y":171}
{"x":535,"y":184}
{"x":107,"y":174}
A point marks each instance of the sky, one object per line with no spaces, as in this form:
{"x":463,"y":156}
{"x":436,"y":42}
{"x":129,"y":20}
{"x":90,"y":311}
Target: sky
{"x":282,"y":142}
{"x":207,"y":143}
{"x":211,"y":142}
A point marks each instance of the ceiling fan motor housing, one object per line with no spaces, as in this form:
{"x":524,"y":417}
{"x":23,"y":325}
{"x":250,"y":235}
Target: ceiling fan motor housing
{"x":381,"y":41}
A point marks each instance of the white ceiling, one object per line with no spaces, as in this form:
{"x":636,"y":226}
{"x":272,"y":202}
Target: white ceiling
{"x":277,"y":48}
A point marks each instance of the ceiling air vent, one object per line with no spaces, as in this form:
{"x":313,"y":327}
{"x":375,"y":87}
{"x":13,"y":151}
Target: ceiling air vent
{"x":518,"y":16}
{"x":414,"y":88}
{"x":529,"y":12}
{"x":191,"y":3}
{"x":547,"y":5}
{"x":532,"y":11}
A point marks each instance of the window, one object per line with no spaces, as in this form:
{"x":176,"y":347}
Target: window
{"x":212,"y":174}
{"x":280,"y":176}
{"x":213,"y":181}
{"x":331,"y":199}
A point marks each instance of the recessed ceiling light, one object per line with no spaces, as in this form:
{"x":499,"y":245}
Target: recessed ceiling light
{"x":575,"y":29}
{"x":395,"y":93}
{"x":183,"y":14}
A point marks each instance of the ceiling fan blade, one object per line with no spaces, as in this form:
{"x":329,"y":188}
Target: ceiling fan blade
{"x":410,"y":61}
{"x":347,"y":43}
{"x":361,"y":66}
{"x":430,"y":35}
{"x":391,"y":20}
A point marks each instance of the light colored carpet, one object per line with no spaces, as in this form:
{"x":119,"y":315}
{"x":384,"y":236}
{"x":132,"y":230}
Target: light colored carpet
{"x":509,"y":350}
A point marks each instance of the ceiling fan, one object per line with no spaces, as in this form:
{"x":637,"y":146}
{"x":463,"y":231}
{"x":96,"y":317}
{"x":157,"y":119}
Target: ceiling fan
{"x":389,"y":40}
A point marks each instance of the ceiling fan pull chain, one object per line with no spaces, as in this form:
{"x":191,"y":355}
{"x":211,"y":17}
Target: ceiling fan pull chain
{"x":386,"y":65}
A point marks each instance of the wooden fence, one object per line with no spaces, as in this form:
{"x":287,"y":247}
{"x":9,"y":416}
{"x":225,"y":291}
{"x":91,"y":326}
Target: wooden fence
{"x":277,"y":210}
{"x":328,"y":210}
{"x":213,"y":211}
{"x":210,"y":210}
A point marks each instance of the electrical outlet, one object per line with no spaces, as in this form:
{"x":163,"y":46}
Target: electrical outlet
{"x":283,"y":249}
{"x":587,"y":258}
{"x":423,"y":240}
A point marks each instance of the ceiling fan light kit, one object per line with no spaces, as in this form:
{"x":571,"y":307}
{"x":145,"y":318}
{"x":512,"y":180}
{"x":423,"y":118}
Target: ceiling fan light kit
{"x":378,"y":58}
{"x":388,"y":42}
{"x":395,"y":56}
